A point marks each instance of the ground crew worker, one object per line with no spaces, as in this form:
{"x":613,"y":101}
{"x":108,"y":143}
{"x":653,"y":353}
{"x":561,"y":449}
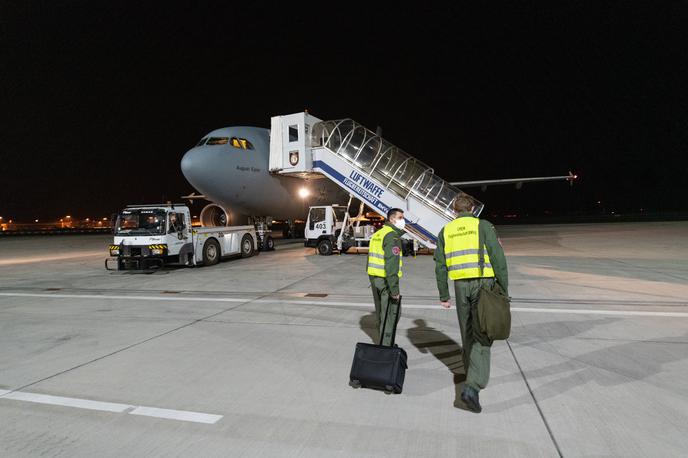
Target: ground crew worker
{"x":457,"y":255}
{"x":384,"y":271}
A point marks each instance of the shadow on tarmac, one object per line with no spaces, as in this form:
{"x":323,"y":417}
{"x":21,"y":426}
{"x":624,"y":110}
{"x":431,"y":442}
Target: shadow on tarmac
{"x":445,"y":349}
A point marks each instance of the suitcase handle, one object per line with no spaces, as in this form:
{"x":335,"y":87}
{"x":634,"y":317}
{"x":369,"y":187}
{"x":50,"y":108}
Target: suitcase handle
{"x":384,"y":323}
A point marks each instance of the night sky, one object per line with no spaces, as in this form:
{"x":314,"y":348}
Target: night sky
{"x":100,"y":100}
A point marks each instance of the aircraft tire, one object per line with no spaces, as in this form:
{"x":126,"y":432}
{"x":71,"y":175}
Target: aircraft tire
{"x":269,"y":244}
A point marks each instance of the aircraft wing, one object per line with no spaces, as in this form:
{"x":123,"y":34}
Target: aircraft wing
{"x":517,"y":181}
{"x":193,"y":196}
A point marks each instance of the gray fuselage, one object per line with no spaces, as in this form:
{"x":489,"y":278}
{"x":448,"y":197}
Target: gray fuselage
{"x":237,"y":177}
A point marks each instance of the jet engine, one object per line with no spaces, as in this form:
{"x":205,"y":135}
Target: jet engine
{"x":215,"y":215}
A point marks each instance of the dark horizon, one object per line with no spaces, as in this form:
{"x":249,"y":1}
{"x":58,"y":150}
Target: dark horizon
{"x":101,"y":102}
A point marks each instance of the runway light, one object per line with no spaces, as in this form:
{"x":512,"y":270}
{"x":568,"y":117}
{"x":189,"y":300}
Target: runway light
{"x":304,"y":192}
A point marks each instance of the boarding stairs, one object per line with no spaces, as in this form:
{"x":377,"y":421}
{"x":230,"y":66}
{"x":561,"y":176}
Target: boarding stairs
{"x":367,"y":167}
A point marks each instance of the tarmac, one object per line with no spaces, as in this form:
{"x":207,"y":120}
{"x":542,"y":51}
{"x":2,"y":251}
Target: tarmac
{"x":250,"y":358}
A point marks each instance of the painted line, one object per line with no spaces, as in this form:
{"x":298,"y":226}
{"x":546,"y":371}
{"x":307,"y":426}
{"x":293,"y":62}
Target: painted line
{"x":170,"y":414}
{"x":59,"y":257}
{"x":140,"y":298}
{"x":349,"y":304}
{"x":513,"y":309}
{"x":67,"y":402}
{"x":181,"y":415}
{"x":601,"y":312}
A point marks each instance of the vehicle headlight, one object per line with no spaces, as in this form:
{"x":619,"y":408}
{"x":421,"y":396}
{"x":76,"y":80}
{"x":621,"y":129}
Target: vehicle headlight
{"x":114,"y":250}
{"x":157,"y":250}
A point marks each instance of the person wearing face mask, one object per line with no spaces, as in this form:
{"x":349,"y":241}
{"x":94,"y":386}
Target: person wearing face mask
{"x":460,"y":257}
{"x":384,"y":270}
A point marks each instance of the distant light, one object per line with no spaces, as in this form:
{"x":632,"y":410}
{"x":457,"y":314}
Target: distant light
{"x":35,"y":221}
{"x":87,"y":219}
{"x":104,"y":219}
{"x":0,"y":218}
{"x":195,"y":216}
{"x":67,"y":216}
{"x":304,"y":192}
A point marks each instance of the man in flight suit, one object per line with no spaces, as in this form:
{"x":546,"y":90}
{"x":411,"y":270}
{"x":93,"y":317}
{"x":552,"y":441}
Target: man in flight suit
{"x":458,"y":256}
{"x":384,"y":271}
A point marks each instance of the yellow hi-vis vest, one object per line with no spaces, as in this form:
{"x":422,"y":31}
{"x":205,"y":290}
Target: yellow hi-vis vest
{"x":376,"y":254}
{"x":461,"y":245}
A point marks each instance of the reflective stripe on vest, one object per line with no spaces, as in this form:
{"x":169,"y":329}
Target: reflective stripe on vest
{"x":376,"y":254}
{"x":461,"y":244}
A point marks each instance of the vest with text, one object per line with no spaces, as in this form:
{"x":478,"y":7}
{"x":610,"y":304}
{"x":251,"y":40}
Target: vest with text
{"x":376,"y":254}
{"x":461,"y":243}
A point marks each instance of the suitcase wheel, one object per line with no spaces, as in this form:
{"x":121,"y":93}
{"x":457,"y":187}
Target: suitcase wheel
{"x":389,"y":389}
{"x":355,"y":384}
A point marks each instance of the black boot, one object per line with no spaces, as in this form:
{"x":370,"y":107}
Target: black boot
{"x":470,"y":397}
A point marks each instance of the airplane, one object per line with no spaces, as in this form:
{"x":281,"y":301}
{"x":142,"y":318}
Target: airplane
{"x":230,"y":168}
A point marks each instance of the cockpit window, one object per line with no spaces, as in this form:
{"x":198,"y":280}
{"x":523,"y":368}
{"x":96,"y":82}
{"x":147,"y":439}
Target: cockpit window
{"x":202,"y":142}
{"x":217,"y":141}
{"x":241,"y":143}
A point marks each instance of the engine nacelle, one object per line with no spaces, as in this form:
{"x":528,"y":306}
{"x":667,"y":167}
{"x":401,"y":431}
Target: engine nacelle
{"x":214,"y":215}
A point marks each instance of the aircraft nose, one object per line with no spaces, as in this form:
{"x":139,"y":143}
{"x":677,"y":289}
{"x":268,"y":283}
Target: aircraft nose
{"x":193,"y":165}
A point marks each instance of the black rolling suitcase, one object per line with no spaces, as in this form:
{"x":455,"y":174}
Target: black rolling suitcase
{"x":378,"y":366}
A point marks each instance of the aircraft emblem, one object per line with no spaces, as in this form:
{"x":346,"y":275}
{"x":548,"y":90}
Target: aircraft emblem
{"x":293,"y":157}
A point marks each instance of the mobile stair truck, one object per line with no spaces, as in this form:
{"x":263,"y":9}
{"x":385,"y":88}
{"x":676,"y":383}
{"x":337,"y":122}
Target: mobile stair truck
{"x":151,"y":236}
{"x":366,"y":166}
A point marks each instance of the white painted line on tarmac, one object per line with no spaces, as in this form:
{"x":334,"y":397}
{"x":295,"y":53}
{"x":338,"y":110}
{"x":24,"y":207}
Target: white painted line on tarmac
{"x":601,"y":312}
{"x":347,"y":304}
{"x":67,"y":402}
{"x":170,"y":414}
{"x":140,"y":298}
{"x":181,"y":415}
{"x":43,"y":258}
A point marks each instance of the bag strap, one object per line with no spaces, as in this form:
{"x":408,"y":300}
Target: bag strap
{"x":481,"y":249}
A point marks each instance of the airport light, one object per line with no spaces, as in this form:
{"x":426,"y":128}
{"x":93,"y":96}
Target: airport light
{"x":304,"y":192}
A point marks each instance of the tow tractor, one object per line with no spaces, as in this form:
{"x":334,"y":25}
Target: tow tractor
{"x":151,"y":236}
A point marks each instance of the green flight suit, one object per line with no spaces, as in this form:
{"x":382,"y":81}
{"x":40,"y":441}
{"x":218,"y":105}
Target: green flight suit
{"x":475,"y":344}
{"x":384,"y":288}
